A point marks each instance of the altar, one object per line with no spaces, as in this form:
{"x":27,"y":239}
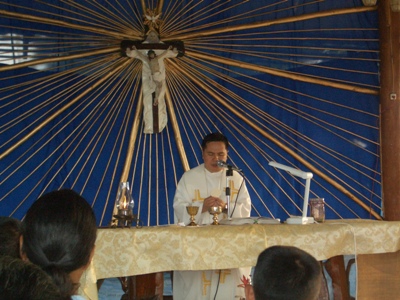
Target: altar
{"x":133,"y":251}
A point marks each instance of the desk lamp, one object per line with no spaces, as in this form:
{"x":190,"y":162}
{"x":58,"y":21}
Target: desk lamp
{"x":307,"y":176}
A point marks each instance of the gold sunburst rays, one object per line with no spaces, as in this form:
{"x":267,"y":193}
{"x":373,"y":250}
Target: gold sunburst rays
{"x":97,"y":138}
{"x":213,"y":35}
{"x":30,"y":90}
{"x":80,"y":88}
{"x":101,"y":17}
{"x":260,"y":54}
{"x":189,"y":110}
{"x":195,"y":44}
{"x":173,"y":25}
{"x":193,"y":117}
{"x":43,"y":45}
{"x":132,"y":132}
{"x":263,"y":24}
{"x":279,"y":101}
{"x":275,"y":99}
{"x":280,"y":124}
{"x":113,"y":105}
{"x":36,"y":62}
{"x":121,"y":18}
{"x":194,"y":76}
{"x":261,"y":45}
{"x":91,"y":17}
{"x":132,"y":34}
{"x":111,"y":73}
{"x":268,"y":96}
{"x":147,"y":145}
{"x":292,"y":53}
{"x":70,"y":147}
{"x":285,"y":74}
{"x":187,"y":67}
{"x":217,"y":8}
{"x":177,"y":133}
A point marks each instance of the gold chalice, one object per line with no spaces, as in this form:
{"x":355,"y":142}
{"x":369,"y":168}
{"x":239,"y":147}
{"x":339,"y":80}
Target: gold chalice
{"x":192,"y":211}
{"x":215,"y":211}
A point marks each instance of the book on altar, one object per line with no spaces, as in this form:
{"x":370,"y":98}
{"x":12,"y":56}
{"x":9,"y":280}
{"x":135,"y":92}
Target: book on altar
{"x":249,"y":220}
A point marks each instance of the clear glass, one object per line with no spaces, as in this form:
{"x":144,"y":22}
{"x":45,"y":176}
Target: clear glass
{"x":124,"y":201}
{"x":318,"y":209}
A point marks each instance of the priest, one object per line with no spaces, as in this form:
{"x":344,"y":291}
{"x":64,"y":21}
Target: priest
{"x":205,"y":186}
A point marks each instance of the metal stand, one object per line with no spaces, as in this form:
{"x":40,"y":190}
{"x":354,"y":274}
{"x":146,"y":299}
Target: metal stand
{"x":126,"y":221}
{"x":229,"y":173}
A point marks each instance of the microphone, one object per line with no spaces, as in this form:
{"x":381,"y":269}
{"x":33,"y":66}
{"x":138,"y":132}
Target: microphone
{"x":223,"y":164}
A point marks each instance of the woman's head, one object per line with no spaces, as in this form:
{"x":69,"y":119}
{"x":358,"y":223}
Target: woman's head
{"x":60,"y":232}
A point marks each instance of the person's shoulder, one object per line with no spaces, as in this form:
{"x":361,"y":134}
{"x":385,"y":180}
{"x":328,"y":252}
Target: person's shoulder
{"x":237,"y":175}
{"x":195,"y":170}
{"x":189,"y":174}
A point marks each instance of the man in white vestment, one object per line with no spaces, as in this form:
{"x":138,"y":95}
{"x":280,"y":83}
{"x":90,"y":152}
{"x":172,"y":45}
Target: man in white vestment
{"x":204,"y":186}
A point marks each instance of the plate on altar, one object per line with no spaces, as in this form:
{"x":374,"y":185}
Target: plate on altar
{"x":250,"y":220}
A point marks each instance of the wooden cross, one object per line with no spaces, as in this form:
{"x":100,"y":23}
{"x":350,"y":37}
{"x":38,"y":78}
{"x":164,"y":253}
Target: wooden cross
{"x":139,"y":45}
{"x":152,"y":46}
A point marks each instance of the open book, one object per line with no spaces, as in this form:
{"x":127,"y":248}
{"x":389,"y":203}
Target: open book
{"x":249,"y":220}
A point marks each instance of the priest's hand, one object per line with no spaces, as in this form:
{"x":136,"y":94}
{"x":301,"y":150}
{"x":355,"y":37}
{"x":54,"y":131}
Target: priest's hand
{"x":212,"y":201}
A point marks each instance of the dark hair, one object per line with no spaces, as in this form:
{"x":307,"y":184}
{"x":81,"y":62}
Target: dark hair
{"x":150,"y":52}
{"x":286,"y":273}
{"x":59,"y":234}
{"x":21,"y":280}
{"x":214,"y":137}
{"x":10,"y":232}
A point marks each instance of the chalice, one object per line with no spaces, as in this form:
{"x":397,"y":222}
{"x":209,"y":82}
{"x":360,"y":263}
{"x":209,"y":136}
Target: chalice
{"x":192,"y":211}
{"x":215,"y":211}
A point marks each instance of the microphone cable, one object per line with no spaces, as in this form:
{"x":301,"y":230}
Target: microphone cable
{"x":216,"y":291}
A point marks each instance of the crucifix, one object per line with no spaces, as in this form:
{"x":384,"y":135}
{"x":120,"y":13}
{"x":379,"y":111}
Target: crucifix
{"x":152,"y":52}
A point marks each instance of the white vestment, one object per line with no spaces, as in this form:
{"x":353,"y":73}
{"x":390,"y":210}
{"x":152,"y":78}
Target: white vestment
{"x":153,"y":81}
{"x":194,"y":186}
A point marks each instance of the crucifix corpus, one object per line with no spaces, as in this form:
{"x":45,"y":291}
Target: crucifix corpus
{"x":152,"y":53}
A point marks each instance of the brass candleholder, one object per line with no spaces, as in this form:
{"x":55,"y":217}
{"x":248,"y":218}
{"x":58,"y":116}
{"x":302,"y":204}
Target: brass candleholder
{"x":126,"y":220}
{"x":215,"y":211}
{"x":192,"y":211}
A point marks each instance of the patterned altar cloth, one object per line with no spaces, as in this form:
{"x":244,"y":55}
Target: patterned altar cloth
{"x":132,"y":251}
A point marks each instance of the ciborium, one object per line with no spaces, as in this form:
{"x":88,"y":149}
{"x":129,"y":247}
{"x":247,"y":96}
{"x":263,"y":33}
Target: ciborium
{"x":215,"y":211}
{"x":192,"y":211}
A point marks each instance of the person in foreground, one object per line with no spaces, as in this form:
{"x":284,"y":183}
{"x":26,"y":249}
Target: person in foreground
{"x":59,"y":236}
{"x":204,"y":186}
{"x":285,"y":273}
{"x":10,"y":233}
{"x":20,"y":280}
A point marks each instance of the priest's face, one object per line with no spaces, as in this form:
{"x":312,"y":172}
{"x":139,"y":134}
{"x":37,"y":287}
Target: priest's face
{"x":213,"y":152}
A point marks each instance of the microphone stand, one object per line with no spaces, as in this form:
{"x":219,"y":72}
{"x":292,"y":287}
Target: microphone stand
{"x":229,"y":173}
